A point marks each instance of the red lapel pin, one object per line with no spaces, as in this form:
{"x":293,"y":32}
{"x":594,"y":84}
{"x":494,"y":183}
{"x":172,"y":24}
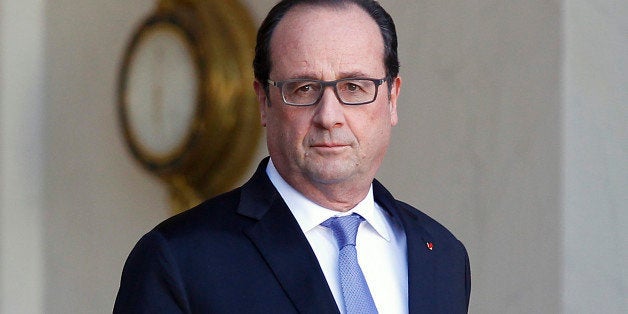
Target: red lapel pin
{"x":430,"y":245}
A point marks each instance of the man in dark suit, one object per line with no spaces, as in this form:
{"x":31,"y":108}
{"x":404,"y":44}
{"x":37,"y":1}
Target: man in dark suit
{"x":327,"y":85}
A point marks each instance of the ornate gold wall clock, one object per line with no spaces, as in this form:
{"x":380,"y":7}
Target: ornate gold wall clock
{"x":186,"y":106}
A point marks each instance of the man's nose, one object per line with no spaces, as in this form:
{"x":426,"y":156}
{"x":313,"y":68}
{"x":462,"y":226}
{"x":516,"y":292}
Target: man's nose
{"x":329,"y":110}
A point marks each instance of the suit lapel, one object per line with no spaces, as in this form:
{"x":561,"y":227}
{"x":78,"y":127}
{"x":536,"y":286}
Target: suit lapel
{"x":284,"y":247}
{"x":421,"y":266}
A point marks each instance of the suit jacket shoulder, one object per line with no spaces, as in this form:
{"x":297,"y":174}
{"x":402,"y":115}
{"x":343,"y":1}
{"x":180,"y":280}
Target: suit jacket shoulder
{"x":240,"y":252}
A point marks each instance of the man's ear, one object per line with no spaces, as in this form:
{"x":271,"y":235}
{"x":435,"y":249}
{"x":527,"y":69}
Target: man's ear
{"x":262,"y":100}
{"x":395,"y":88}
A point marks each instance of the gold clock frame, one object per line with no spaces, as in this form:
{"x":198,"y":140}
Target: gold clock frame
{"x":225,"y":129}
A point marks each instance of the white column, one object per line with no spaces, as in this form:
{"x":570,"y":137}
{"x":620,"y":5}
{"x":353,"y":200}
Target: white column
{"x":21,"y":155}
{"x":595,"y":261}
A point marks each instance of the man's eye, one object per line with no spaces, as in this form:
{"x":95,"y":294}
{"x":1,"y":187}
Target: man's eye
{"x":352,"y":87}
{"x":305,"y":88}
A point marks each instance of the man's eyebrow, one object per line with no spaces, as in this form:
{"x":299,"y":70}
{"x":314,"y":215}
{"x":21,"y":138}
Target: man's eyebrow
{"x":342,"y":75}
{"x":352,"y":74}
{"x":304,"y":76}
{"x":301,"y":75}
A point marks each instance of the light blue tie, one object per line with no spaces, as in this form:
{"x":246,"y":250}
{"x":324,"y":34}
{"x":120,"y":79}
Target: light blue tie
{"x":355,"y":291}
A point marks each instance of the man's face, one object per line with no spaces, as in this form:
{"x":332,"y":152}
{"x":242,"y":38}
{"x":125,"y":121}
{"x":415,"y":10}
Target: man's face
{"x":329,"y":142}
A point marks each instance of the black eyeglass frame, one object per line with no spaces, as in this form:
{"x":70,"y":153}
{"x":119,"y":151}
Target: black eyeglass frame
{"x":325,"y":84}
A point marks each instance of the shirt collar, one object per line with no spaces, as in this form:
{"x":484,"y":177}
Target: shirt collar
{"x":309,"y":214}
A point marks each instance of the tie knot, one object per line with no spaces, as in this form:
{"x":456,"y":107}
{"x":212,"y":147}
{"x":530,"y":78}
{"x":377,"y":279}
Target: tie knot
{"x":345,"y":228}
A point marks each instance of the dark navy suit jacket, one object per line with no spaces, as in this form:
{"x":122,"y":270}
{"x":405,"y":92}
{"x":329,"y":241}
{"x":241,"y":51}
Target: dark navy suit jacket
{"x":243,"y":252}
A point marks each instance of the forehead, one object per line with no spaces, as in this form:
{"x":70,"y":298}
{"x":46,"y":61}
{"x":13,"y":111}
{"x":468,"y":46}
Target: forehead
{"x":327,"y":38}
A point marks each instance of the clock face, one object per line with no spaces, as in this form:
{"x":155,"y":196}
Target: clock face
{"x":185,"y":114}
{"x":161,"y":92}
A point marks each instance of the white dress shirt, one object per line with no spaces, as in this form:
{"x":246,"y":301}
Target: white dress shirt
{"x":380,"y":243}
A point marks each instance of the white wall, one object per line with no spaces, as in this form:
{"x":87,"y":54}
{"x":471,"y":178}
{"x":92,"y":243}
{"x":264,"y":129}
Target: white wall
{"x":512,"y":133}
{"x":478,"y":145}
{"x":21,"y":156}
{"x":98,"y":201}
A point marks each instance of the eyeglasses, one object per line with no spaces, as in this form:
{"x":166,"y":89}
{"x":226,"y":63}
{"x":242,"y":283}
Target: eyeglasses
{"x":350,"y":91}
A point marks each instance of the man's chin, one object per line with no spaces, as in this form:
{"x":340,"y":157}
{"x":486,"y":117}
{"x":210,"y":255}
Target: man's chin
{"x":330,"y":173}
